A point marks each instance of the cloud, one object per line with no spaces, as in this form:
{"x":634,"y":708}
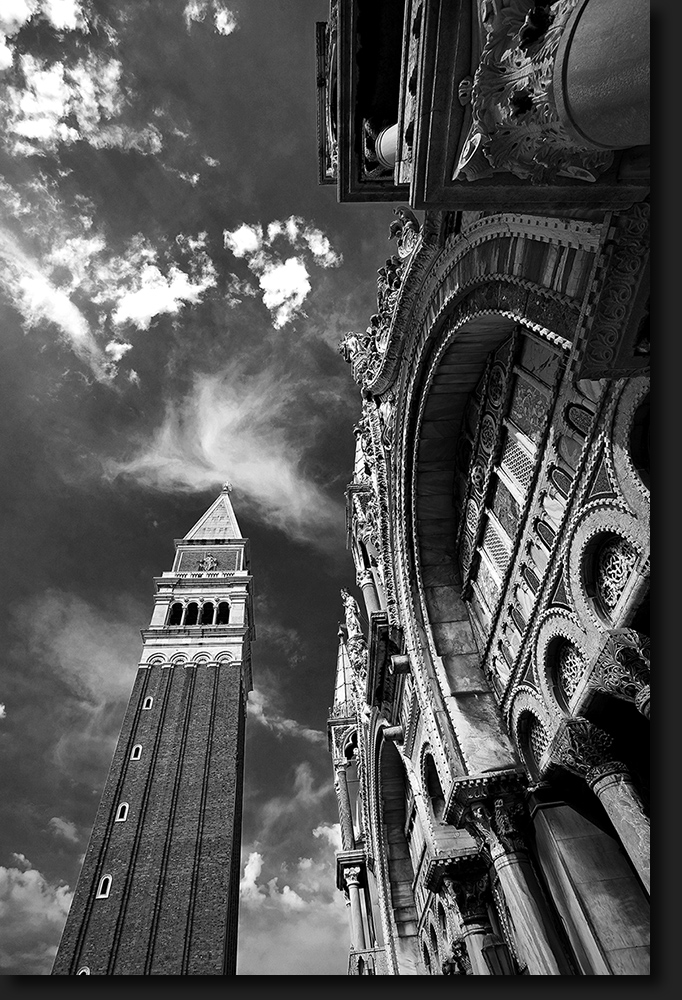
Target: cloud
{"x":32,"y":915}
{"x":95,"y":654}
{"x":56,"y":104}
{"x":64,"y":829}
{"x":244,"y":428}
{"x":224,"y":20}
{"x":257,"y":708}
{"x":297,"y":910}
{"x":284,"y":281}
{"x":56,"y":268}
{"x":26,"y":284}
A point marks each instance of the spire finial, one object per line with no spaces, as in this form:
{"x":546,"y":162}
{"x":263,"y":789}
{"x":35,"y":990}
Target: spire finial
{"x":227,"y":487}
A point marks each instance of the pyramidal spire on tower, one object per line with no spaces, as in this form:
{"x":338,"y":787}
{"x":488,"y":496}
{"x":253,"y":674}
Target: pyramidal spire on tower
{"x":158,"y":893}
{"x":219,"y":521}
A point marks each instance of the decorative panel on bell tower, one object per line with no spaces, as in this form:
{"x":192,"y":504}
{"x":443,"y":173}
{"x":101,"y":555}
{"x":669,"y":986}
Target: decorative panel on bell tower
{"x":158,"y":893}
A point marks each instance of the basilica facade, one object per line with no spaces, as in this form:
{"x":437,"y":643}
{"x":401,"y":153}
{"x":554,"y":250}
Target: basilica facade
{"x":490,"y":723}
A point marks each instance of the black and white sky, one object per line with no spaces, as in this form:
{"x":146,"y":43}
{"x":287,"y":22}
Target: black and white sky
{"x":174,"y":283}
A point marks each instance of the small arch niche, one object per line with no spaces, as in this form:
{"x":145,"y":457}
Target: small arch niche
{"x":434,"y":789}
{"x":147,"y":703}
{"x":223,"y":615}
{"x":136,"y":752}
{"x":104,"y":887}
{"x":175,"y":614}
{"x":83,"y":971}
{"x":122,"y":812}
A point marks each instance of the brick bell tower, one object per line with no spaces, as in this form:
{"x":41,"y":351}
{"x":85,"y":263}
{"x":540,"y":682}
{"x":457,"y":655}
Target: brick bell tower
{"x":158,"y":893}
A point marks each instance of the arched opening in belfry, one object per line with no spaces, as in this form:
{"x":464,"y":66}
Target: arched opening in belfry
{"x":175,"y":614}
{"x":207,"y":612}
{"x":191,"y":614}
{"x":223,"y":616}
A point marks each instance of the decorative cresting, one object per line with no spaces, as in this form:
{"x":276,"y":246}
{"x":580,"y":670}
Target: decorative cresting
{"x":364,"y":352}
{"x":516,"y":126}
{"x":622,"y":667}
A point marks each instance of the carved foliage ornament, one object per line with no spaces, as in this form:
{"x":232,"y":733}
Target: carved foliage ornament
{"x":623,"y":667}
{"x":515,"y":124}
{"x":585,"y":750}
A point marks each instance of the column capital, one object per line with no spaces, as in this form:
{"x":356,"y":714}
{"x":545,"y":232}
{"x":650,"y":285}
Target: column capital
{"x":583,"y":749}
{"x":622,"y":667}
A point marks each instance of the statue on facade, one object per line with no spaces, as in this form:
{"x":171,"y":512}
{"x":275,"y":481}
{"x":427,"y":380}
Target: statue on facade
{"x":352,"y":612}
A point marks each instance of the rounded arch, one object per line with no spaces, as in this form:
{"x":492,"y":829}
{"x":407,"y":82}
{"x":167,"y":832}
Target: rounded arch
{"x":396,"y":872}
{"x":532,"y":726}
{"x":431,"y":783}
{"x":556,"y":626}
{"x":178,"y":660}
{"x":630,"y":448}
{"x":602,"y":528}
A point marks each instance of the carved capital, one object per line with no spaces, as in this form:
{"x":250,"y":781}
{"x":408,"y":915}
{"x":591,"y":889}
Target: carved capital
{"x":499,"y":826}
{"x":623,"y":667}
{"x":352,"y":875}
{"x":470,"y":895}
{"x":516,"y":126}
{"x":585,"y":750}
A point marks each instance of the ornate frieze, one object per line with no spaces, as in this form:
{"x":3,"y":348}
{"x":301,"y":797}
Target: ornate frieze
{"x":516,"y":126}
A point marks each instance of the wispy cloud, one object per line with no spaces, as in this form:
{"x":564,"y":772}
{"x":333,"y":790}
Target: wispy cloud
{"x":94,"y":653}
{"x":244,"y":428}
{"x":259,"y":709}
{"x":284,"y":280}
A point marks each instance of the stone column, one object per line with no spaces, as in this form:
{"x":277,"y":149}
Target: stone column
{"x":345,"y":813}
{"x":369,"y":592}
{"x":470,"y":894}
{"x":585,"y":750}
{"x":537,"y":941}
{"x":601,"y":74}
{"x":352,"y":878}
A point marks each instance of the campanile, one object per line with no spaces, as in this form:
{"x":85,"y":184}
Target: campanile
{"x":158,"y":893}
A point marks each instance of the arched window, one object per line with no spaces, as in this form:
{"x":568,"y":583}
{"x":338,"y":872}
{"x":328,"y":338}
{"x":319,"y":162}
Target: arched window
{"x":137,"y":752}
{"x":223,"y":613}
{"x":83,"y":971}
{"x":192,"y":613}
{"x":175,"y":614}
{"x":433,"y":788}
{"x":122,"y":813}
{"x":207,"y":613}
{"x":104,"y":887}
{"x":147,"y":703}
